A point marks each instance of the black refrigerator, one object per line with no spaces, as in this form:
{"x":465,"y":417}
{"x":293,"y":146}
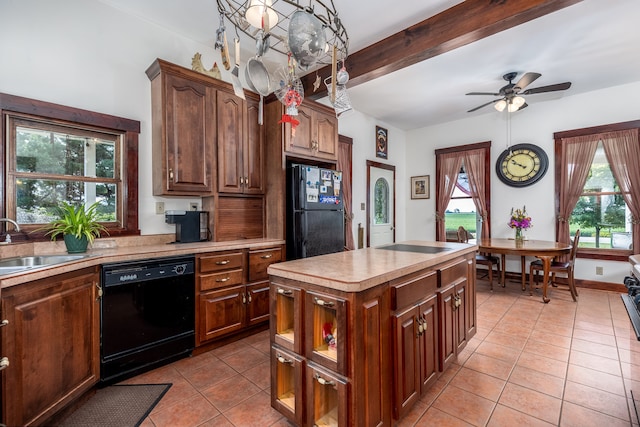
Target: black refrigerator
{"x":315,"y":213}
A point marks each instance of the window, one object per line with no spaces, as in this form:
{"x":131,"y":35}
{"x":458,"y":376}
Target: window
{"x":381,"y":202}
{"x":56,"y":153}
{"x":598,"y":188}
{"x":601,"y":213}
{"x":463,"y":191}
{"x":54,"y":163}
{"x":461,"y":211}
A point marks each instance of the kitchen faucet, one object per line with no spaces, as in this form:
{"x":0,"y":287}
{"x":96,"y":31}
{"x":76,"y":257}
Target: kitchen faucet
{"x":15,"y":226}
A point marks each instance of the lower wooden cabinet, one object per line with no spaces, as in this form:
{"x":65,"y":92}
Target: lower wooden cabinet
{"x":233,"y":291}
{"x":287,"y":384}
{"x":455,"y":314}
{"x":52,"y":342}
{"x":367,"y":357}
{"x":415,"y":339}
{"x":327,"y":397}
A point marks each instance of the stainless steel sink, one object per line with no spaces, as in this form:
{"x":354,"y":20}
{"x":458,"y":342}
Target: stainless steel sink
{"x":13,"y":265}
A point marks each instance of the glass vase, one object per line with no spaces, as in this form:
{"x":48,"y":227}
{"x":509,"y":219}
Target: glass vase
{"x":519,"y":235}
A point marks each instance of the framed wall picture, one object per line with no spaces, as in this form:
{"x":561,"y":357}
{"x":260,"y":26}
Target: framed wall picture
{"x":382,"y":142}
{"x":420,"y":187}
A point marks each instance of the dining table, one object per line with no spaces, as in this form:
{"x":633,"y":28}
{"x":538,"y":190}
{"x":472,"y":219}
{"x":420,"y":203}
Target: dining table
{"x":544,"y":250}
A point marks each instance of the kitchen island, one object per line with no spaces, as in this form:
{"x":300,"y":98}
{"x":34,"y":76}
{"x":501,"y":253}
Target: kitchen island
{"x":358,"y":336}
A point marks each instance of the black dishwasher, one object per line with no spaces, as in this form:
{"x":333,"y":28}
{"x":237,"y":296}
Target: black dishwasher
{"x":147,"y":315}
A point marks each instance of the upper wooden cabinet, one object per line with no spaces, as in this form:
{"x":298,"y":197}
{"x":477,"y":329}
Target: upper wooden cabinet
{"x":195,"y":117}
{"x":315,"y":137}
{"x":183,"y":131}
{"x":240,"y":145}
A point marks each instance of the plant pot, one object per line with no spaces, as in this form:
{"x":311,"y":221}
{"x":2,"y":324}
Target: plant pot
{"x":75,"y":245}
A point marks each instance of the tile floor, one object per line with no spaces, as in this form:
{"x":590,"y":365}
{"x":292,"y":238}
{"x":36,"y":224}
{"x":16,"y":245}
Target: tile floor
{"x":530,"y":364}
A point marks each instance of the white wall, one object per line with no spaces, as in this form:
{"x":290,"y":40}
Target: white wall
{"x":535,"y":125}
{"x":88,"y":55}
{"x":362,"y":129}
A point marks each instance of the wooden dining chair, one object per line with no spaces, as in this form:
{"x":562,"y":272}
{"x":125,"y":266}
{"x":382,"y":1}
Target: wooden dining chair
{"x":558,"y":267}
{"x":481,"y":258}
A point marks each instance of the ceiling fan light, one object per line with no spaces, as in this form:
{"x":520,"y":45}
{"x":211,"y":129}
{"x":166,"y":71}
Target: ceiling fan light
{"x":518,"y":101}
{"x":500,"y":105}
{"x":256,"y":13}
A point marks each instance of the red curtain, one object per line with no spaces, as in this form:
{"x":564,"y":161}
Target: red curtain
{"x":449,"y":167}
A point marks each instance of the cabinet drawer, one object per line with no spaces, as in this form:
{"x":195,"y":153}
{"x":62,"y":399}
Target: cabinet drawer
{"x":287,"y":373}
{"x":412,"y":290}
{"x":453,"y":272}
{"x":220,"y":280}
{"x":260,"y":260}
{"x":220,"y":262}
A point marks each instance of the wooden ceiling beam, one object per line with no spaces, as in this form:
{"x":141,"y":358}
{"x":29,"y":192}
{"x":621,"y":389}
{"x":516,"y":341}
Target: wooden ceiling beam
{"x":465,"y":23}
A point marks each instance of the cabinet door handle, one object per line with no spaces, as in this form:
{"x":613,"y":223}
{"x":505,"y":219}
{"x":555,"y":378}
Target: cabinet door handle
{"x":266,"y":256}
{"x":249,"y":296}
{"x":4,"y":362}
{"x":323,"y":381}
{"x":225,"y":262}
{"x":5,"y":322}
{"x":99,"y":292}
{"x":222,"y":280}
{"x":281,"y":359}
{"x":324,"y":303}
{"x":285,"y":291}
{"x":244,"y":298}
{"x":241,"y":180}
{"x":454,"y":304}
{"x":171,"y":174}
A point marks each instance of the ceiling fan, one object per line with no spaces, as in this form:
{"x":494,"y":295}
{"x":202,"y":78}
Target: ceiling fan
{"x":511,"y":94}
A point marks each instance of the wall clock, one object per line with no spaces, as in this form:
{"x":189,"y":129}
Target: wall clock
{"x":522,"y":165}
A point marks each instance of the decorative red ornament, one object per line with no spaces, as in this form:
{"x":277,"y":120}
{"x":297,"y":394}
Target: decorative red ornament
{"x":289,"y":119}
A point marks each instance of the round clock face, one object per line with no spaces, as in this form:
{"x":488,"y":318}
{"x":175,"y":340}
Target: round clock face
{"x":522,"y":165}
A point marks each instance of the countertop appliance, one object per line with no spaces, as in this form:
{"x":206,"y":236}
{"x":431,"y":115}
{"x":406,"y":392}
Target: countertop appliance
{"x":191,"y":226}
{"x":315,"y":213}
{"x":147,"y":315}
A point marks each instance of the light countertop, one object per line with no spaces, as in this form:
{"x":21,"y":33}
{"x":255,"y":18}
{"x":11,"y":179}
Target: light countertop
{"x":355,"y":271}
{"x":156,"y":248}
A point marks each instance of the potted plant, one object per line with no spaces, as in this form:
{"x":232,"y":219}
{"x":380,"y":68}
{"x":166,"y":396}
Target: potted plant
{"x":78,"y":225}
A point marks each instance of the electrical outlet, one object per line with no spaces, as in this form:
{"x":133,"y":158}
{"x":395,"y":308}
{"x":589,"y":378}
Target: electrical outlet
{"x":159,"y":208}
{"x":362,"y":206}
{"x":599,"y":270}
{"x":193,"y":206}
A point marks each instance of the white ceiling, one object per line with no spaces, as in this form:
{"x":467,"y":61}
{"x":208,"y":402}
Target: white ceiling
{"x":593,"y":44}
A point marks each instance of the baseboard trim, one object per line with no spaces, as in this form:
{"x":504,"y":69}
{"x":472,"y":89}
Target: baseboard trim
{"x":588,"y":284}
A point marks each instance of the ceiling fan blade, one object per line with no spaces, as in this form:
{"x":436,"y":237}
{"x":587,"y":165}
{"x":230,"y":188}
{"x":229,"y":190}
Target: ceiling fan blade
{"x":483,"y":93}
{"x":525,"y":81}
{"x":484,"y":105}
{"x":550,"y":88}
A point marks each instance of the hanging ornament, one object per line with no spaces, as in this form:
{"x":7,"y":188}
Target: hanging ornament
{"x":290,"y":92}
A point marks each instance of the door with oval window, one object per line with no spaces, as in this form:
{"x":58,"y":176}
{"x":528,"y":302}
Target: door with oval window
{"x":381,"y":204}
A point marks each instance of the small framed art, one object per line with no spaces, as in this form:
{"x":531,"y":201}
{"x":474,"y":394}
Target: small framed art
{"x":420,"y":187}
{"x":382,"y":142}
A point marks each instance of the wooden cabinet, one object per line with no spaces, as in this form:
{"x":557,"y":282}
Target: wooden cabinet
{"x":316,"y":136}
{"x":327,"y":397}
{"x":415,"y":339}
{"x":287,"y":370}
{"x":200,"y":127}
{"x":240,"y":145}
{"x":327,"y":332}
{"x":366,"y":356}
{"x":52,"y":342}
{"x":322,"y":329}
{"x":455,"y":310}
{"x":183,"y":131}
{"x":233,"y":291}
